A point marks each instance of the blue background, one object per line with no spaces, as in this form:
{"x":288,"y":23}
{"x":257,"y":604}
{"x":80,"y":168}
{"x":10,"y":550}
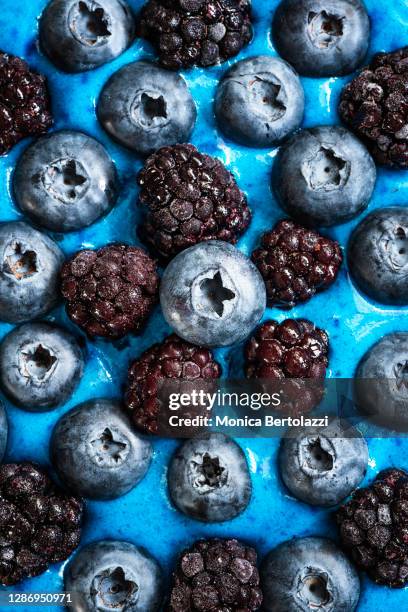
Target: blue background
{"x":145,"y":516}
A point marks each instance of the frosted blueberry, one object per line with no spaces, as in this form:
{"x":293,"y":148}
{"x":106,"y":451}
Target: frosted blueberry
{"x":3,"y":431}
{"x":323,"y":176}
{"x":95,"y":451}
{"x":322,"y":37}
{"x":40,"y":366}
{"x":259,"y":101}
{"x":65,"y":181}
{"x":323,"y":466}
{"x":209,"y":478}
{"x":79,"y":35}
{"x":306,"y":574}
{"x":145,"y":107}
{"x":113,"y":575}
{"x":212,"y":295}
{"x":378,"y":256}
{"x":29,"y":272}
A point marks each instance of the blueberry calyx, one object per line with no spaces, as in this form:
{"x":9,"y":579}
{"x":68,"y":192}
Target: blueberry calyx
{"x":66,"y":180}
{"x":313,"y":589}
{"x":109,"y":448}
{"x":213,"y":294}
{"x":324,"y":29}
{"x":326,"y":170}
{"x":90,"y":24}
{"x":316,"y":455}
{"x":207,"y":473}
{"x":112,"y":590}
{"x":149,"y":110}
{"x":37,"y":362}
{"x":393,"y":243}
{"x":19,"y":261}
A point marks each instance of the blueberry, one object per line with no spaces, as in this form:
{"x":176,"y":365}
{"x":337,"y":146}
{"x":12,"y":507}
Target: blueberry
{"x":378,"y":256}
{"x":306,"y":574}
{"x":95,"y":451}
{"x":29,"y":272}
{"x":323,"y":176}
{"x":209,"y":478}
{"x":212,"y":294}
{"x":260,"y":101}
{"x":65,"y":181}
{"x":3,"y":431}
{"x":381,"y":382}
{"x":145,"y":107}
{"x":40,"y":366}
{"x":79,"y":35}
{"x":112,"y":575}
{"x":322,"y":37}
{"x":322,"y":466}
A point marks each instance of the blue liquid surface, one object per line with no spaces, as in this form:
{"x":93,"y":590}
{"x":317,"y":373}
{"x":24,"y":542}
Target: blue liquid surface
{"x":145,"y":516}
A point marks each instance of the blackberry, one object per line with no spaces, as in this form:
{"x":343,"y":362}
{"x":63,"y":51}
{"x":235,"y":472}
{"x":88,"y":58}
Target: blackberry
{"x":374,"y":528}
{"x":295,"y":348}
{"x":39,"y":523}
{"x":110,"y":292}
{"x":24,"y":102}
{"x":173,"y":358}
{"x":196,"y":32}
{"x":190,"y":197}
{"x":296,"y":263}
{"x":375,"y":105}
{"x":216,"y":574}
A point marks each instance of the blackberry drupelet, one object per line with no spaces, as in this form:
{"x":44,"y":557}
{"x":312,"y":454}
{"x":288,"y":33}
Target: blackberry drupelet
{"x":196,"y":32}
{"x":173,"y":358}
{"x":39,"y":523}
{"x":24,"y":102}
{"x":295,"y":348}
{"x":374,"y":105}
{"x":296,"y":263}
{"x":374,"y":528}
{"x":190,"y":198}
{"x":110,"y":292}
{"x":216,"y":574}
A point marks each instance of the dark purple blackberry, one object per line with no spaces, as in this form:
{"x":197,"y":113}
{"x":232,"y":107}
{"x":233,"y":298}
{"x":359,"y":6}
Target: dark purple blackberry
{"x":110,"y":292}
{"x":24,"y":102}
{"x":196,"y":32}
{"x":296,"y":263}
{"x":190,"y":197}
{"x":39,"y":523}
{"x":216,"y":575}
{"x":375,"y":106}
{"x":374,"y":528}
{"x":174,"y":359}
{"x":295,"y":348}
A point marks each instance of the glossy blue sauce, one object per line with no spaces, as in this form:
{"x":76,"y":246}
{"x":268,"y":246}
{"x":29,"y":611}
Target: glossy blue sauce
{"x":145,"y":516}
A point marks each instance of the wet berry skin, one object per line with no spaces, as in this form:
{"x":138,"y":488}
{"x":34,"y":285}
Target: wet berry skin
{"x":296,"y":263}
{"x":374,"y":106}
{"x":41,"y":524}
{"x":309,"y":573}
{"x":320,"y":37}
{"x":171,"y":359}
{"x":114,"y":575}
{"x":110,"y":292}
{"x":190,"y":33}
{"x":24,"y":102}
{"x":378,"y":255}
{"x":216,"y":574}
{"x":373,"y":528}
{"x":189,"y":198}
{"x":80,"y":35}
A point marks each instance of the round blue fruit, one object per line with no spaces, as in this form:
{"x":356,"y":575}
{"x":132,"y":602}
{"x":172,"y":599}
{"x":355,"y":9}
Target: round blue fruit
{"x":323,"y":176}
{"x":322,"y":467}
{"x":95,"y":451}
{"x":80,"y":35}
{"x":322,"y":37}
{"x":209,"y":479}
{"x":306,"y":574}
{"x":378,"y":256}
{"x":65,"y":181}
{"x":29,"y":272}
{"x":260,"y":101}
{"x":145,"y":107}
{"x":113,"y":575}
{"x":40,"y":366}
